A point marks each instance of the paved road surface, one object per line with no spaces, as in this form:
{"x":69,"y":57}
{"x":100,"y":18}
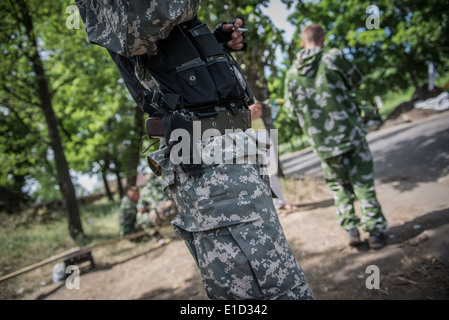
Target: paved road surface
{"x":418,"y":148}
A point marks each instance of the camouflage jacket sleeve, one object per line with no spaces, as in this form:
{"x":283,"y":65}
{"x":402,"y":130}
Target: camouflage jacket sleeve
{"x":335,"y":60}
{"x":132,"y":28}
{"x":317,"y":94}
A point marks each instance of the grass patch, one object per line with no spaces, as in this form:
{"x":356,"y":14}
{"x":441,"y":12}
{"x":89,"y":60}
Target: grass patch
{"x":27,"y":244}
{"x":100,"y":221}
{"x":293,"y":145}
{"x":393,"y":99}
{"x":23,"y":243}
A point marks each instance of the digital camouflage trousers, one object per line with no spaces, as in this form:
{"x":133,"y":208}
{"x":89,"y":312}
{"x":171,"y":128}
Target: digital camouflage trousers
{"x":230,"y":225}
{"x":247,"y":261}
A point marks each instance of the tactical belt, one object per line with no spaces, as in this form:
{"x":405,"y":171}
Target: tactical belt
{"x":218,"y":118}
{"x":225,"y":119}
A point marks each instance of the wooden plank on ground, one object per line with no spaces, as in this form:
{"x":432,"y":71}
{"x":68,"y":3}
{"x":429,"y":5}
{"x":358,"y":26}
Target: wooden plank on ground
{"x":74,"y":251}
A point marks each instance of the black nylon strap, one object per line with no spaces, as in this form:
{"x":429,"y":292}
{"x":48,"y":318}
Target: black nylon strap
{"x":205,"y":42}
{"x":177,"y":49}
{"x":151,"y":103}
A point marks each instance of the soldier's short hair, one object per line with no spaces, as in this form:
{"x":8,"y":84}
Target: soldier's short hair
{"x":313,"y":33}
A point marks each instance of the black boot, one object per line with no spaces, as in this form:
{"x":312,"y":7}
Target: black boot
{"x":353,"y":237}
{"x":377,"y":240}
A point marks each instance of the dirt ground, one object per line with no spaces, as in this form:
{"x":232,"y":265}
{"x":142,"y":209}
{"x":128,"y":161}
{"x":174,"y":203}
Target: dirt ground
{"x":413,"y":265}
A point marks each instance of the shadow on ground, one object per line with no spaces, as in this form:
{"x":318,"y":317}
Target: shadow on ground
{"x":408,"y":269}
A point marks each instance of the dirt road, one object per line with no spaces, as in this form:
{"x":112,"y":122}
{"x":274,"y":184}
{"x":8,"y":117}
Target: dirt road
{"x":412,"y":181}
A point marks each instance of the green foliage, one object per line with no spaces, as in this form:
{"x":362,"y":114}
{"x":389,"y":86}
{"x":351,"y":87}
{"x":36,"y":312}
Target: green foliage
{"x":96,"y":114}
{"x":93,"y":107}
{"x":263,"y":37}
{"x":24,"y":242}
{"x":395,"y":56}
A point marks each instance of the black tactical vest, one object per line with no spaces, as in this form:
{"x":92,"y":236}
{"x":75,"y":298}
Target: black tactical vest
{"x":196,"y":77}
{"x":194,"y":72}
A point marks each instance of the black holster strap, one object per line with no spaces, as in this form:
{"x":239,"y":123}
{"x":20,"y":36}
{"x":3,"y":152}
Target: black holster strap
{"x":155,"y":102}
{"x":150,"y":103}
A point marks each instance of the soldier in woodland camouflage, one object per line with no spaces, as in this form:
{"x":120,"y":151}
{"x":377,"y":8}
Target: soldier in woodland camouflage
{"x":155,"y":208}
{"x":318,"y":89}
{"x":226,"y":215}
{"x":128,"y":211}
{"x":151,"y":196}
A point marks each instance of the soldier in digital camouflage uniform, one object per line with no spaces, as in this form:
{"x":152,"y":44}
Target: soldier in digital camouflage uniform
{"x":226,"y":214}
{"x":128,"y":211}
{"x":229,"y":223}
{"x":318,"y":89}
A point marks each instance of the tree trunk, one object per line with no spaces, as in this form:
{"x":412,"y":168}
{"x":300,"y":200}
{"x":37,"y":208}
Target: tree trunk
{"x":131,"y":172}
{"x":414,"y":80}
{"x":106,"y":185}
{"x":121,"y":192}
{"x":65,"y":183}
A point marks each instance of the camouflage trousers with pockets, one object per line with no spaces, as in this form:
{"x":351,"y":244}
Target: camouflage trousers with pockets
{"x":247,"y":260}
{"x":350,"y":176}
{"x":230,"y":225}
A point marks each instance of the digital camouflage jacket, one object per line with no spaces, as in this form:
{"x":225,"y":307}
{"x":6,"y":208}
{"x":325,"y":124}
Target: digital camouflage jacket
{"x":132,"y":28}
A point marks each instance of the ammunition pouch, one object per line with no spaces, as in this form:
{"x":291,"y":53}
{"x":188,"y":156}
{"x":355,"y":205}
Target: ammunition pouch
{"x":193,"y":70}
{"x":198,"y":80}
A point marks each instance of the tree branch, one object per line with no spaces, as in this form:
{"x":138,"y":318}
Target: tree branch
{"x":18,"y":97}
{"x":63,"y":83}
{"x":22,"y":121}
{"x":63,"y":129}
